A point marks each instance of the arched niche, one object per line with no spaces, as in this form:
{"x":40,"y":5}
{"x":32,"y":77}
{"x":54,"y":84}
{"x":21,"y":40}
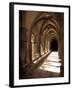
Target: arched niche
{"x":34,"y":46}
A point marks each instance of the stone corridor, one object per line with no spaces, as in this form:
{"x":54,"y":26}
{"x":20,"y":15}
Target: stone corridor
{"x":41,"y":44}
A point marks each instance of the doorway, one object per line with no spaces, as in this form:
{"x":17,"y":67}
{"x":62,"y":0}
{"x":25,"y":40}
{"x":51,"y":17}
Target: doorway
{"x":54,"y":45}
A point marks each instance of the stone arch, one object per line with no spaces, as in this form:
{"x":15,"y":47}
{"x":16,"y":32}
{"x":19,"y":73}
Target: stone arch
{"x":48,"y":24}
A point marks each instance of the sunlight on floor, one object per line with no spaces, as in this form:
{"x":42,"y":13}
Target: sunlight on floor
{"x":52,"y":63}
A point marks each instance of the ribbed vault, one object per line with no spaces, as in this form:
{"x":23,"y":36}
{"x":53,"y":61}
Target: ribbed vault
{"x":43,"y":30}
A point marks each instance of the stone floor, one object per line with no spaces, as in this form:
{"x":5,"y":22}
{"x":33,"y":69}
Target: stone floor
{"x":49,"y":66}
